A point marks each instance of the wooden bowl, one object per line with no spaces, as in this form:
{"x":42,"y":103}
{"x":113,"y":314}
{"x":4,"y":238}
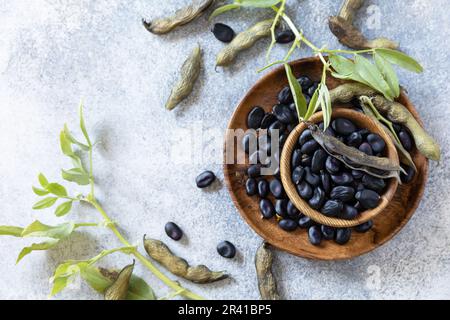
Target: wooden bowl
{"x":386,"y":224}
{"x":362,"y":121}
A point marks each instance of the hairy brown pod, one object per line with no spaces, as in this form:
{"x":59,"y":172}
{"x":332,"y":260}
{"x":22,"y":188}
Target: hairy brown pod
{"x":266,"y":280}
{"x":243,"y":41}
{"x":189,"y":74}
{"x":181,"y":17}
{"x":159,"y":251}
{"x":119,"y":289}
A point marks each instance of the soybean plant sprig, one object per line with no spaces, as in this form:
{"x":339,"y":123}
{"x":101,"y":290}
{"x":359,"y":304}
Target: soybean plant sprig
{"x":53,"y":192}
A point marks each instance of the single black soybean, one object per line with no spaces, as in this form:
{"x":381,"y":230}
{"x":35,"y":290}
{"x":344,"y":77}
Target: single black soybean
{"x":376,"y":142}
{"x":267,"y":120}
{"x":305,"y":82}
{"x":255,"y":117}
{"x":305,"y":136}
{"x":315,"y":235}
{"x":266,"y":208}
{"x":354,"y":140}
{"x":368,"y":199}
{"x":305,"y":222}
{"x":312,"y":178}
{"x":409,"y":176}
{"x":305,"y":190}
{"x":328,"y":233}
{"x":343,"y":126}
{"x":332,"y":208}
{"x":226,"y":249}
{"x":296,"y":158}
{"x":288,"y":224}
{"x":373,"y":183}
{"x":249,"y":140}
{"x":283,"y":113}
{"x":357,"y":174}
{"x":276,"y":188}
{"x":205,"y":179}
{"x":343,"y":236}
{"x":326,"y":182}
{"x":318,"y":160}
{"x":298,"y":174}
{"x":306,"y":160}
{"x":406,"y":140}
{"x":316,"y":202}
{"x":223,"y":33}
{"x":173,"y":231}
{"x":284,"y":36}
{"x":309,"y":147}
{"x":366,"y":148}
{"x":263,"y":188}
{"x":251,"y":187}
{"x":348,"y":212}
{"x":281,"y":207}
{"x":254,"y":171}
{"x":292,"y":211}
{"x":363,"y":228}
{"x":277,"y":125}
{"x":344,"y":179}
{"x":332,"y":165}
{"x":342,"y":193}
{"x":312,"y":89}
{"x":285,"y":96}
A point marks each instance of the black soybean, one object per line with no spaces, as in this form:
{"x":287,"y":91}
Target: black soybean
{"x":332,"y":165}
{"x":305,"y":83}
{"x":343,"y":126}
{"x":343,"y":236}
{"x":223,"y":33}
{"x":409,"y":176}
{"x":366,"y":226}
{"x":312,"y":178}
{"x":267,"y":209}
{"x":343,"y":179}
{"x":373,"y":183}
{"x":205,"y":179}
{"x":283,"y":113}
{"x":298,"y":174}
{"x":318,"y":199}
{"x":292,"y":211}
{"x":276,"y":126}
{"x":254,"y":171}
{"x":288,"y":224}
{"x":255,"y":117}
{"x":348,"y":212}
{"x":309,"y":147}
{"x":281,"y":207}
{"x":276,"y":188}
{"x":326,"y":182}
{"x":304,"y":137}
{"x":249,"y":143}
{"x":342,"y":193}
{"x":315,"y":235}
{"x":328,"y":233}
{"x":376,"y":142}
{"x":285,"y":96}
{"x":406,"y":140}
{"x":284,"y":36}
{"x":173,"y":231}
{"x":354,"y":139}
{"x":357,"y":174}
{"x":296,"y":158}
{"x":306,"y":160}
{"x":332,"y":208}
{"x":304,"y":190}
{"x":226,"y":249}
{"x":312,"y":89}
{"x":263,"y":188}
{"x":305,"y":222}
{"x":251,"y":187}
{"x":366,"y":148}
{"x":318,"y":160}
{"x":368,"y":199}
{"x":268,"y":119}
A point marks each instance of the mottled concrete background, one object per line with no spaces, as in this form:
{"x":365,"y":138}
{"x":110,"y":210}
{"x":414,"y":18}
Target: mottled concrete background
{"x":54,"y":52}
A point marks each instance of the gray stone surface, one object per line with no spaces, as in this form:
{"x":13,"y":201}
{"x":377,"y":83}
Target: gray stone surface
{"x":52,"y":53}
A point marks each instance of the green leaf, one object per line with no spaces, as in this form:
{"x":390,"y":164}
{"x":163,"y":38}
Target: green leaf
{"x":76,"y":175}
{"x":11,"y":231}
{"x":388,"y":73}
{"x":372,"y":75}
{"x":296,"y":89}
{"x":83,"y":125}
{"x":313,"y":105}
{"x":326,"y":105}
{"x":64,"y":275}
{"x":66,"y":145}
{"x":223,"y":9}
{"x":71,"y":138}
{"x":57,"y":189}
{"x":76,"y":161}
{"x":63,"y":208}
{"x":40,"y":192}
{"x":401,"y":59}
{"x":342,"y":65}
{"x":259,"y":3}
{"x":43,"y":180}
{"x":102,"y":279}
{"x":38,"y":229}
{"x":45,"y":203}
{"x":37,"y":247}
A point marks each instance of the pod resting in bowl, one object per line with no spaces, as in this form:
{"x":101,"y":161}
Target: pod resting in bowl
{"x":395,"y":112}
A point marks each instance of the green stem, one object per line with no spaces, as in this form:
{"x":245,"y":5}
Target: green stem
{"x":79,"y":225}
{"x":147,"y":263}
{"x":348,"y":51}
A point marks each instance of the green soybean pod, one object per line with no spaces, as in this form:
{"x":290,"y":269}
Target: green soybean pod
{"x":243,"y":41}
{"x":188,"y":76}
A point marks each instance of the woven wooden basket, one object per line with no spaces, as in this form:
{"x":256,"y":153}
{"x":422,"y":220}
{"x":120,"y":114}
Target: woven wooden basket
{"x":361,"y":121}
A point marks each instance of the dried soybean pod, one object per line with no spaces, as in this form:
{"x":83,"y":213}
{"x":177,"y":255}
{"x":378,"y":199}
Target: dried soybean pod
{"x":189,"y":74}
{"x":181,"y":17}
{"x":347,"y":91}
{"x":158,"y":251}
{"x":398,"y":113}
{"x":119,"y":289}
{"x":404,"y":155}
{"x":342,"y":27}
{"x":266,"y":280}
{"x":243,"y":41}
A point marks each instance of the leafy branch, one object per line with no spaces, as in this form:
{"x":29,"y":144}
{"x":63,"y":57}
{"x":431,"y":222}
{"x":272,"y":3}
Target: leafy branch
{"x":51,"y":193}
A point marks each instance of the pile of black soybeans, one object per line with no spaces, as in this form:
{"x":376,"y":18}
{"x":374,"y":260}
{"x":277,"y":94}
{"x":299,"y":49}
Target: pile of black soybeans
{"x":273,"y":200}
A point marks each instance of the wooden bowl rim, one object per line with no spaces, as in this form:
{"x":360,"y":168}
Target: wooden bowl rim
{"x":259,"y":227}
{"x":285,"y":169}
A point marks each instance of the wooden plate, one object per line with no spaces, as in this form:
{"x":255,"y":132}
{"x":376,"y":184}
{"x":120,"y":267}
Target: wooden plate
{"x":386,"y":225}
